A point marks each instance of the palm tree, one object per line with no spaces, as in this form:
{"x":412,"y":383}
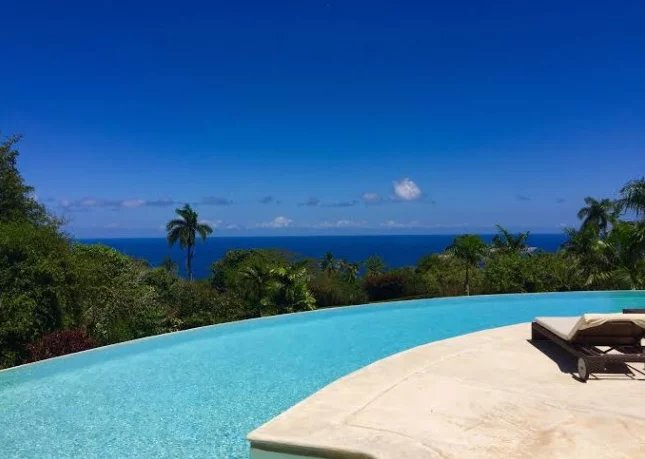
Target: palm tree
{"x":585,"y":250}
{"x":633,"y":196}
{"x":329,"y":263}
{"x":374,"y":265}
{"x":469,"y":249}
{"x":598,"y":215}
{"x":624,"y":255}
{"x":580,"y":242}
{"x":257,"y":281}
{"x":184,"y":231}
{"x":290,"y":289}
{"x":506,"y":242}
{"x":350,"y":270}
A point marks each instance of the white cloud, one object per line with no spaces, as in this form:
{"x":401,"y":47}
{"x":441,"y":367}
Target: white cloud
{"x":212,"y":223}
{"x":406,"y":190}
{"x":341,"y":224}
{"x":371,"y":198}
{"x":278,"y":222}
{"x":220,"y":224}
{"x":395,"y":224}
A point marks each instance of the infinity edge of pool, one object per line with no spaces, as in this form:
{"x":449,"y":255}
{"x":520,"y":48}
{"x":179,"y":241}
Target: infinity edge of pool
{"x":300,"y":313}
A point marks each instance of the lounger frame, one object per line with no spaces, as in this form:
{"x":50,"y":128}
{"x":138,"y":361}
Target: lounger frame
{"x":621,"y":337}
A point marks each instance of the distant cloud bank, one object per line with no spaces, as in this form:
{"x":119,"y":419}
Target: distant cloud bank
{"x":278,"y":222}
{"x":97,"y":203}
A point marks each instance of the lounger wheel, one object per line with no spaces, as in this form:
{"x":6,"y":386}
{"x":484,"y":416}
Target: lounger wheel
{"x":583,"y":369}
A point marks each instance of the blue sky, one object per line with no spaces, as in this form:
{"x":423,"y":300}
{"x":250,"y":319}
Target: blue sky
{"x":324,"y":117}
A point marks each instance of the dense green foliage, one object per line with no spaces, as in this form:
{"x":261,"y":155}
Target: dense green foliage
{"x":57,"y":296}
{"x":16,"y":198}
{"x":36,"y":272}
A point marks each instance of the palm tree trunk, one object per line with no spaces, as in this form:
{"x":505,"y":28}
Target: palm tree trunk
{"x":189,"y":262}
{"x":468,"y":280}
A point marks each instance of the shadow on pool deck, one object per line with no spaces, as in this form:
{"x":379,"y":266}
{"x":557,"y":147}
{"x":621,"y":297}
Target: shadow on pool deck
{"x":568,"y":364}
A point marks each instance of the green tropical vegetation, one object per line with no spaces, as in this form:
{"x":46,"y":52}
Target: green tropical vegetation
{"x":59,"y":296}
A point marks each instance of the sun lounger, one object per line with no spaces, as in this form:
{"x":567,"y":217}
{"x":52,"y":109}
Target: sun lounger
{"x":595,"y":339}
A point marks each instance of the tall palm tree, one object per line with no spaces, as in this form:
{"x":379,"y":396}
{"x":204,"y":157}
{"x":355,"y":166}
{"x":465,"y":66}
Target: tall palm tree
{"x":507,"y":242}
{"x":633,"y":196}
{"x":598,"y":214}
{"x":469,"y":249}
{"x":184,"y":230}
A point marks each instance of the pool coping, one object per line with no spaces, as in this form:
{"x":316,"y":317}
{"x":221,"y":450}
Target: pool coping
{"x":346,"y":418}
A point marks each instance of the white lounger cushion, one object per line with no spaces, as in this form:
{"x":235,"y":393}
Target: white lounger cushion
{"x":567,"y":327}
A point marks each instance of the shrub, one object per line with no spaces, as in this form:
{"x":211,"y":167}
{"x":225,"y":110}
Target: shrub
{"x":226,"y":272}
{"x":506,"y":273}
{"x":386,"y":286}
{"x":35,"y":293}
{"x":546,"y":272}
{"x":444,"y":276}
{"x":199,"y":304}
{"x":59,"y":343}
{"x":288,"y":291}
{"x":116,"y":301}
{"x":414,"y":284}
{"x":333,"y":289}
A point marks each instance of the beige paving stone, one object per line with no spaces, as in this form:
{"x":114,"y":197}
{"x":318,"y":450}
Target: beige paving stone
{"x":484,"y":395}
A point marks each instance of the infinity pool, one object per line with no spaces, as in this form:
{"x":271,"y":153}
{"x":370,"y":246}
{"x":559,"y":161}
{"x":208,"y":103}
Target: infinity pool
{"x":198,"y":393}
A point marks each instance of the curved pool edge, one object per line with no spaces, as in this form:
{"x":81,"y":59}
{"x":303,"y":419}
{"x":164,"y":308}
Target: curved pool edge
{"x":296,"y":314}
{"x":494,"y":386}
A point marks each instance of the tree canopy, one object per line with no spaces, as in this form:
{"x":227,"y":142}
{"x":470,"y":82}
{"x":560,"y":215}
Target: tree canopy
{"x":17,"y":201}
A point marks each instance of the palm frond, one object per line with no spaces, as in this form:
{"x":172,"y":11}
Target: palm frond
{"x":204,"y":230}
{"x":175,"y":223}
{"x":175,"y":234}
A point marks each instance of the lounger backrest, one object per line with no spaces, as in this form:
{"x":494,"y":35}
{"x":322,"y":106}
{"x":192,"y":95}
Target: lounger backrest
{"x":613,"y":333}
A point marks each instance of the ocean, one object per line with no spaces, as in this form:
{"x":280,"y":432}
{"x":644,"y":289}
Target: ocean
{"x":396,"y":251}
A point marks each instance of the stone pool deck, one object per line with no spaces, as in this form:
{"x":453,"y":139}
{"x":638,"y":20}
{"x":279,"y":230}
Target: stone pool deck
{"x":484,"y":395}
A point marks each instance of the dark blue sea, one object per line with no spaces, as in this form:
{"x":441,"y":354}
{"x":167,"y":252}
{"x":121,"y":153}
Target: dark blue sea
{"x":395,"y":250}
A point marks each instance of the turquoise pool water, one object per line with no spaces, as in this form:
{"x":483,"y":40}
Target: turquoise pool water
{"x":198,"y":393}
